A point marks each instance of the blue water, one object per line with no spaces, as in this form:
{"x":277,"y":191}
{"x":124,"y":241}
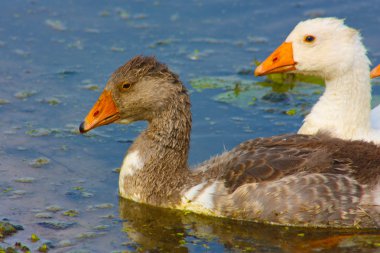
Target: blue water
{"x":52,"y":51}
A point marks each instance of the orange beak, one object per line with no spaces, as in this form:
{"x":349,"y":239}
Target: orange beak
{"x":375,"y":72}
{"x":102,"y":113}
{"x":281,"y":60}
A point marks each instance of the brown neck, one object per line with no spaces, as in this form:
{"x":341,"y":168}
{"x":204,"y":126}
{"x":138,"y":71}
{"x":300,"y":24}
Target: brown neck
{"x":163,"y":148}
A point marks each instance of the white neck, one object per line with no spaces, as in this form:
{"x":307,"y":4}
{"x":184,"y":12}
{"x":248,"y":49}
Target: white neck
{"x":344,"y":109}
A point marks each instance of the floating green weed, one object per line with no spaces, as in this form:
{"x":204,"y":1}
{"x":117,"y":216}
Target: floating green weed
{"x":43,"y":248}
{"x":34,"y":238}
{"x":279,"y":93}
{"x":55,"y":24}
{"x":25,"y":94}
{"x":291,"y":112}
{"x":71,"y":213}
{"x":39,"y":162}
{"x":3,"y":101}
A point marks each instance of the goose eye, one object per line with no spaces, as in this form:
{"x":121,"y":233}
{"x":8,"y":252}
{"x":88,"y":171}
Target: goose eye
{"x":126,"y":86}
{"x":309,"y":38}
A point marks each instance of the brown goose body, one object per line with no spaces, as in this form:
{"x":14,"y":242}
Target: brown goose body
{"x":290,"y":179}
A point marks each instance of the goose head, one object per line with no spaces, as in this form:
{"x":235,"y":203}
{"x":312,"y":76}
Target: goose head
{"x":320,"y":47}
{"x":141,"y":89}
{"x":375,"y":72}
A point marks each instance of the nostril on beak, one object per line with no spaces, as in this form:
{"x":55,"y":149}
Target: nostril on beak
{"x":274,"y":59}
{"x":96,"y":114}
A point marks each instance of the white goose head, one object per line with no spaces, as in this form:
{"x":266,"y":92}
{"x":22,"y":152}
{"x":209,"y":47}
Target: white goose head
{"x":323,"y":47}
{"x":327,"y":48}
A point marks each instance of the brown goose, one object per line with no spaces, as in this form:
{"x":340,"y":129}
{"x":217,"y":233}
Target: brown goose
{"x":290,"y":179}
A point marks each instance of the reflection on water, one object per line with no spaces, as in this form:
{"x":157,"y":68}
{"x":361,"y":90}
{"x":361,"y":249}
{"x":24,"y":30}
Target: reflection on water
{"x":152,"y":228}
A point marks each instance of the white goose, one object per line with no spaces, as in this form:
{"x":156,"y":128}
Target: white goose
{"x":327,"y":48}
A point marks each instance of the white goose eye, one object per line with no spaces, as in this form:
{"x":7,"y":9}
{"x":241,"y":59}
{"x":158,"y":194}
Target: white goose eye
{"x":309,"y":38}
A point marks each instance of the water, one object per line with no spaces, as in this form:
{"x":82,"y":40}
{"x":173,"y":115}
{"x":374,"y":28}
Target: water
{"x":56,"y":57}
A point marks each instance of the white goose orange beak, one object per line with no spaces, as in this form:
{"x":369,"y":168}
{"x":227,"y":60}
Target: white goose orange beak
{"x":281,"y":60}
{"x":102,"y":113}
{"x":375,"y":72}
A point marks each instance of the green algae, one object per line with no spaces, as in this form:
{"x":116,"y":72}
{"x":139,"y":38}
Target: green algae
{"x":198,"y":54}
{"x":50,"y":101}
{"x":91,"y":30}
{"x":71,"y":213}
{"x":44,"y":215}
{"x":34,"y":238}
{"x":257,"y":39}
{"x":90,"y":86}
{"x":25,"y":180}
{"x":56,"y":25}
{"x":56,"y":224}
{"x":104,"y":13}
{"x":280,"y":82}
{"x":21,"y":52}
{"x":77,"y":44}
{"x":18,"y":192}
{"x":116,"y":170}
{"x":4,"y":101}
{"x":65,"y":243}
{"x":104,"y":206}
{"x":99,"y":206}
{"x":25,"y":94}
{"x":18,"y":248}
{"x":123,"y":14}
{"x":7,"y":189}
{"x":108,"y":216}
{"x":288,"y":79}
{"x":22,"y":248}
{"x":43,"y":248}
{"x":101,"y":227}
{"x":78,"y":188}
{"x":280,"y":94}
{"x":67,"y":72}
{"x":39,"y":132}
{"x":86,"y":194}
{"x":6,"y":229}
{"x":163,"y":42}
{"x":291,"y":112}
{"x":39,"y":162}
{"x":89,"y":235}
{"x":54,"y":208}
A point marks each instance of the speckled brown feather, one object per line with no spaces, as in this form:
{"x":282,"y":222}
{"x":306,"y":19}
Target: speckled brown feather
{"x":142,"y":67}
{"x":297,"y":179}
{"x":273,"y":158}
